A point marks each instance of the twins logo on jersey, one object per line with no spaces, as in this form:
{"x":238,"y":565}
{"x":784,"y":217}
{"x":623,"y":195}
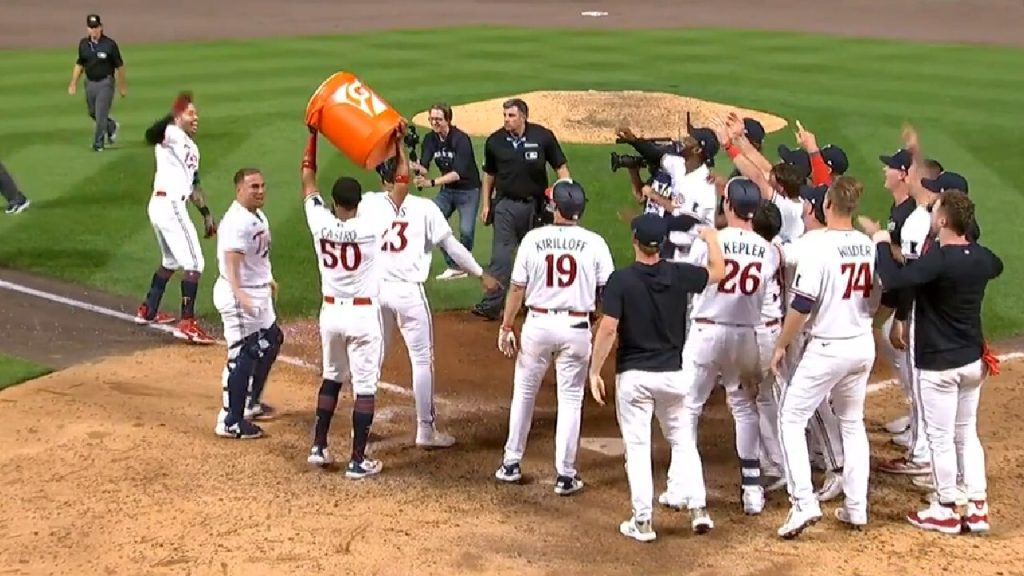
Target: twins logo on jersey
{"x":191,"y":159}
{"x":262,"y":239}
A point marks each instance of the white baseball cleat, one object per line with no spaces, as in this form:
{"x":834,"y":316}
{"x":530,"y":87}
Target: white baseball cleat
{"x":568,"y":485}
{"x":753,"y":500}
{"x":898,"y":425}
{"x":431,"y":438}
{"x":832,"y":487}
{"x":855,"y":519}
{"x":700,"y":520}
{"x":903,"y":439}
{"x":799,"y":520}
{"x":358,"y":470}
{"x":639,"y":530}
{"x":938,"y":517}
{"x":511,"y":472}
{"x":671,"y":500}
{"x":975,"y":518}
{"x":319,"y":456}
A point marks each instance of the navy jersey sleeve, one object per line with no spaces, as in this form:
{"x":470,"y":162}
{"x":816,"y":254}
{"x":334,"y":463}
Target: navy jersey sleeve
{"x":925,"y":269}
{"x":613,"y":297}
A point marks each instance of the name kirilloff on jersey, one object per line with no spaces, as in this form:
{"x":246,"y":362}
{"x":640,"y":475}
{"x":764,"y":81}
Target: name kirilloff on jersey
{"x":562,"y":267}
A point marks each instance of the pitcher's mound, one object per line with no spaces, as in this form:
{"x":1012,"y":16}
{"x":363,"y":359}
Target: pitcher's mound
{"x":591,"y":117}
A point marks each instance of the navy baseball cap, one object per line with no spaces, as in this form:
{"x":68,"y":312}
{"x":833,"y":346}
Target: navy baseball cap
{"x":744,"y":196}
{"x":753,"y":130}
{"x":901,"y":160}
{"x":708,"y":144}
{"x":93,"y":21}
{"x":945,"y":181}
{"x":649,"y":230}
{"x":835,"y":158}
{"x":815,"y":196}
{"x":796,"y":157}
{"x":569,"y":198}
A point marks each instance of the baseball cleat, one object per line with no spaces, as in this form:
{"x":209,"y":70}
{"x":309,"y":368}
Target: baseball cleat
{"x":752,"y":498}
{"x":975,"y":520}
{"x":898,"y":425}
{"x":903,"y":439}
{"x":112,"y":137}
{"x":938,"y":517}
{"x":261,"y":411}
{"x":142,"y":316}
{"x":19,"y":207}
{"x":639,"y":530}
{"x":856,"y":520}
{"x":832,"y":487}
{"x":358,"y":470}
{"x":568,"y":485}
{"x":243,"y":430}
{"x":671,"y":500}
{"x":188,"y":329}
{"x":799,"y":520}
{"x":451,"y":274}
{"x":510,"y":472}
{"x":431,"y":438}
{"x":700,"y":520}
{"x":319,"y":456}
{"x":904,"y":466}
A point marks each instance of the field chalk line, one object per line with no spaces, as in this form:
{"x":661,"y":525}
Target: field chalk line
{"x":387,"y":386}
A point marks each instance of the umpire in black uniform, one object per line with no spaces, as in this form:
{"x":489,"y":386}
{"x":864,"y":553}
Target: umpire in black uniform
{"x":515,"y":159}
{"x":99,"y":58}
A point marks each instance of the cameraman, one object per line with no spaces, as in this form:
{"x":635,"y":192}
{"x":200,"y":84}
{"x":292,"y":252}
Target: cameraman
{"x":516,"y":157}
{"x":656,"y":198}
{"x":452,"y":151}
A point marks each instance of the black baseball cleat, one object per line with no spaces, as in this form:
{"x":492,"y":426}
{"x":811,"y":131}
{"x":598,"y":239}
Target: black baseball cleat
{"x":242,"y":429}
{"x":485,"y":313}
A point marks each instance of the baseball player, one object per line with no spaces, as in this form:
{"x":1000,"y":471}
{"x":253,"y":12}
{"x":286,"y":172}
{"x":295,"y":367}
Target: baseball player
{"x":559,"y":270}
{"x":723,"y":342}
{"x":244,"y":296}
{"x":641,"y":308}
{"x":835,"y":296}
{"x":412,"y":226}
{"x":348,"y":251}
{"x":175,"y":183}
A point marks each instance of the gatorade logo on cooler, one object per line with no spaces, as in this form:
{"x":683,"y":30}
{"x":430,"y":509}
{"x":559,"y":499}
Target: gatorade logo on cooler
{"x":355,"y":94}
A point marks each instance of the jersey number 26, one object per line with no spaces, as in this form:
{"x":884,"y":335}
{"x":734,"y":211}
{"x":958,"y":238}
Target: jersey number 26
{"x":747,"y":280}
{"x":345,"y":253}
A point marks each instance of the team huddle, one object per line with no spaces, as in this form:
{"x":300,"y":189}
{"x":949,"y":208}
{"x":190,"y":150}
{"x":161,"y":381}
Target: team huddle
{"x":760,"y":283}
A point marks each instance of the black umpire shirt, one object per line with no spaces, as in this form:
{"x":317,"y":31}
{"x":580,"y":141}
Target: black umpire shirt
{"x":452,"y":154}
{"x":650,"y":304}
{"x":518,"y":164}
{"x":948,"y":283}
{"x":99,"y":59}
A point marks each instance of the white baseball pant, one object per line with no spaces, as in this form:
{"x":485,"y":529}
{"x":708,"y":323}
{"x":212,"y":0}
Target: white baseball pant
{"x":732,"y":353}
{"x":545,"y":337}
{"x":239,"y":322}
{"x":768,"y":393}
{"x":839,"y":367}
{"x":352,"y":344}
{"x":405,"y":304}
{"x":949,"y":399}
{"x":639,"y":395}
{"x":918,"y":451}
{"x":175,"y":234}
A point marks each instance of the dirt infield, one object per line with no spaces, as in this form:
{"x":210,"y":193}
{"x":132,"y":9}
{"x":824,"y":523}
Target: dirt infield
{"x":111,"y":467}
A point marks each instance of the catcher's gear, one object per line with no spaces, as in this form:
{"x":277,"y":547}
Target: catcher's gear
{"x":506,"y":341}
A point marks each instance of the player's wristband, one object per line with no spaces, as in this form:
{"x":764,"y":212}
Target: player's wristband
{"x":506,"y":328}
{"x":402,"y":179}
{"x":732,"y":150}
{"x":432,"y":183}
{"x":205,"y":211}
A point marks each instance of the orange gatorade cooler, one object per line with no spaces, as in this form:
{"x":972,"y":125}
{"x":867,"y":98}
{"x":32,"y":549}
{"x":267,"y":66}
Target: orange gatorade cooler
{"x":354,"y":119}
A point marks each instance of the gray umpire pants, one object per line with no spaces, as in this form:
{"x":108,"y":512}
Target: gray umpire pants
{"x":8,"y":188}
{"x":99,"y":96}
{"x":512,"y":220}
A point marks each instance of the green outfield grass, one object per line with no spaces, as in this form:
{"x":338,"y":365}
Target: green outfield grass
{"x":15,"y":371}
{"x":88,"y":221}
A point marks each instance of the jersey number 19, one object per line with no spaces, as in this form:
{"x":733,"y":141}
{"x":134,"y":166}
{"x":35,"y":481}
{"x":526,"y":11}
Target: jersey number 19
{"x":561,"y":270}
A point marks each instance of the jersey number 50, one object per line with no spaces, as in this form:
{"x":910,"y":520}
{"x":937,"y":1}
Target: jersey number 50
{"x":748,"y":281}
{"x":858,"y":279}
{"x":345,"y":253}
{"x":561,"y":270}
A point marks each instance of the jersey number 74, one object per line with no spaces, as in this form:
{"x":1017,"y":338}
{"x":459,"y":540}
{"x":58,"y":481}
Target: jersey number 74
{"x":858,"y":279}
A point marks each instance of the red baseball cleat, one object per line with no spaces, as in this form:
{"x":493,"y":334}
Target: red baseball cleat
{"x":142,"y":316}
{"x":188,"y":329}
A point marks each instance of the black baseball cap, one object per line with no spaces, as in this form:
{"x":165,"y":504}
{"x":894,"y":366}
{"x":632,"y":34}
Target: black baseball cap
{"x":753,"y":130}
{"x":945,"y":181}
{"x":900,"y":160}
{"x":649,"y":230}
{"x":708,"y":144}
{"x":796,"y":157}
{"x":744,"y":196}
{"x":835,"y":158}
{"x":569,"y":198}
{"x":815,"y":195}
{"x":93,"y":21}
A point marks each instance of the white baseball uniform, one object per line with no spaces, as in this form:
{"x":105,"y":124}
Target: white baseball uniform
{"x":410,"y":233}
{"x":177,"y":161}
{"x":561,"y":268}
{"x":838,"y":278}
{"x":695,"y":196}
{"x":792,"y":211}
{"x":722,"y":341}
{"x":912,"y":239}
{"x":767,"y":332}
{"x":351,"y":326}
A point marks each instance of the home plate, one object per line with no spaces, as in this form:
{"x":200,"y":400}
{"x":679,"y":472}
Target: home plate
{"x":609,"y":446}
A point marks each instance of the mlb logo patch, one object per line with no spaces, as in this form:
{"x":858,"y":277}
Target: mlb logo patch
{"x":531,"y":155}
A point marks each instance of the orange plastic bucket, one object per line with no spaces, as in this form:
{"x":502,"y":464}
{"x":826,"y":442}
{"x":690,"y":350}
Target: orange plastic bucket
{"x":354,"y":119}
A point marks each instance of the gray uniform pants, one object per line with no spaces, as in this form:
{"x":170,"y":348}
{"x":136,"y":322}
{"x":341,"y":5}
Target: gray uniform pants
{"x":8,"y":188}
{"x":512,"y":220}
{"x":99,"y":96}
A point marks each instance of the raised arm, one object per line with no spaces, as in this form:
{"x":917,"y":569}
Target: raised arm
{"x":307,"y":172}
